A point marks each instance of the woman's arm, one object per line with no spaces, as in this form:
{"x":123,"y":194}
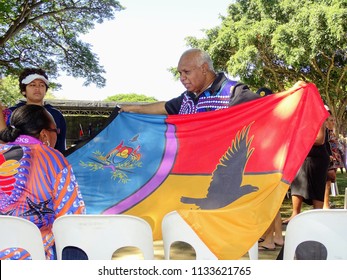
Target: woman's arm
{"x":320,"y":139}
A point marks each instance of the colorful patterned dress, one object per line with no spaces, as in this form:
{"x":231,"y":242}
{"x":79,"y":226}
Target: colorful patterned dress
{"x":7,"y":114}
{"x":334,"y":146}
{"x":38,"y":184}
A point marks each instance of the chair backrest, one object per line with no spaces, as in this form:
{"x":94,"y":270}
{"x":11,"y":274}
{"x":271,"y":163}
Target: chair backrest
{"x":326,"y":226}
{"x":99,"y":236}
{"x":16,"y":232}
{"x":175,"y":228}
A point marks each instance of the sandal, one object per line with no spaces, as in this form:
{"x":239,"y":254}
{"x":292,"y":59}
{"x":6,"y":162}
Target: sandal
{"x":264,"y":248}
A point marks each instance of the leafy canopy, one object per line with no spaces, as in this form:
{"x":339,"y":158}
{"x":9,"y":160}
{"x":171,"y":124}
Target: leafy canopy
{"x":275,"y":43}
{"x":9,"y":91}
{"x":45,"y":34}
{"x":130,"y":97}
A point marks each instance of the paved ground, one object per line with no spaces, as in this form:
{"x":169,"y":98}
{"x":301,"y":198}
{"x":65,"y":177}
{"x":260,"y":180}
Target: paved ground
{"x":183,"y":251}
{"x":180,"y":251}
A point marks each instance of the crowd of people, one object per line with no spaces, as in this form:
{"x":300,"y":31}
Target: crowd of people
{"x":33,"y":137}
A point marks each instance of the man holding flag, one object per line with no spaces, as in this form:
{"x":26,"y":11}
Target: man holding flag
{"x":227,"y":185}
{"x":206,"y":90}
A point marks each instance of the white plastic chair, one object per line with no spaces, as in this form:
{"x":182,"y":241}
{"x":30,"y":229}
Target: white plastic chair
{"x":334,"y":190}
{"x":99,"y":236}
{"x":16,"y":232}
{"x":175,"y":228}
{"x":326,"y":226}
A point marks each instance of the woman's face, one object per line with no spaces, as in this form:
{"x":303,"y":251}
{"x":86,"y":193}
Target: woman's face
{"x":35,"y":92}
{"x":330,"y":123}
{"x":48,"y":136}
{"x":52,"y":135}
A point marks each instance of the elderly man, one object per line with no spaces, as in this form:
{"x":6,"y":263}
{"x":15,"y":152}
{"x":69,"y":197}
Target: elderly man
{"x":206,"y":90}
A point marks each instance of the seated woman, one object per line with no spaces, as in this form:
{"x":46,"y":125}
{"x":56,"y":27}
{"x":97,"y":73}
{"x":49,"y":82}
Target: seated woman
{"x":40,"y":184}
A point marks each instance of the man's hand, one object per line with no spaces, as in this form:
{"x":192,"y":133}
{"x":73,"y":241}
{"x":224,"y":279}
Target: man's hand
{"x":127,"y":108}
{"x":299,"y":84}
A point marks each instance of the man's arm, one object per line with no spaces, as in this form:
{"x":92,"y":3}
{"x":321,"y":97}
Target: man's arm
{"x":156,"y":108}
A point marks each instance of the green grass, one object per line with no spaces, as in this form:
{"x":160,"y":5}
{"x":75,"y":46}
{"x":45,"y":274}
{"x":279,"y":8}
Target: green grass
{"x":337,"y":201}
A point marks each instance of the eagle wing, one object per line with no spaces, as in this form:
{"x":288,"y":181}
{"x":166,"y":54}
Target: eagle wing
{"x":229,"y":172}
{"x":225,"y":186}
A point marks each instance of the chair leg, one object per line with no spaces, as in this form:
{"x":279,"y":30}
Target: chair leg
{"x":253,"y":252}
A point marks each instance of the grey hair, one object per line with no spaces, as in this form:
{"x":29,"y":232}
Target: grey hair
{"x":201,"y":58}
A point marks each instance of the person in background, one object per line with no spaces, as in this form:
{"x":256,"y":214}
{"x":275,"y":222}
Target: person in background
{"x":309,"y":183}
{"x":206,"y":90}
{"x":40,"y":185}
{"x":342,"y":151}
{"x":273,"y":236}
{"x":335,"y":158}
{"x":33,"y":84}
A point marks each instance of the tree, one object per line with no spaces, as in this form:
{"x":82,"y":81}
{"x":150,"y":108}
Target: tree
{"x":45,"y":34}
{"x":275,"y":43}
{"x":130,"y":97}
{"x":9,"y":91}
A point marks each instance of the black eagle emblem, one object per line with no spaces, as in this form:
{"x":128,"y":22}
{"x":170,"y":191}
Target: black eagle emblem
{"x":225,"y":186}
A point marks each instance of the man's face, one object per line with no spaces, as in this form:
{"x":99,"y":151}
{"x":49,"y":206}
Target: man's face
{"x":191,"y":74}
{"x":35,"y":91}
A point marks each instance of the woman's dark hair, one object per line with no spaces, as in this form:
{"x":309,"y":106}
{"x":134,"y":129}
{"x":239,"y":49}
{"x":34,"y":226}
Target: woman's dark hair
{"x":27,"y":120}
{"x":29,"y":71}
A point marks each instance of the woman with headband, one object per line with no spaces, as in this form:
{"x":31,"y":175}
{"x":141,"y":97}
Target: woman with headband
{"x":33,"y":84}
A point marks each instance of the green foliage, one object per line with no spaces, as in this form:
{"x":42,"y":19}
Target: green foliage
{"x":130,"y":97}
{"x":9,"y":91}
{"x":275,"y":43}
{"x":49,"y":95}
{"x":45,"y":34}
{"x":174,"y":72}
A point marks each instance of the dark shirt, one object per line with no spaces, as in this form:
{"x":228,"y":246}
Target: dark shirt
{"x":59,"y":121}
{"x":223,"y":93}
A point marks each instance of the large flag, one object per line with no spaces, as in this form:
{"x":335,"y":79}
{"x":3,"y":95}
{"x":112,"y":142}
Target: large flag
{"x":226,"y":172}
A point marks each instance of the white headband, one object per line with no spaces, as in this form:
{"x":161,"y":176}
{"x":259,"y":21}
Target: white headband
{"x":28,"y":79}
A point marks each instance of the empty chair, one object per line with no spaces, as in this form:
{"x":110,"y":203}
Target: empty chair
{"x":99,"y":236}
{"x":320,"y":232}
{"x":175,"y":228}
{"x":16,"y":232}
